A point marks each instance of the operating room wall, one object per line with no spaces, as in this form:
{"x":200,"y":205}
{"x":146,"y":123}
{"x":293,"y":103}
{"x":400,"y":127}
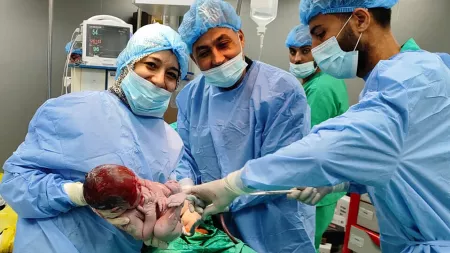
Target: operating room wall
{"x":23,"y":65}
{"x":22,"y":68}
{"x":426,"y":21}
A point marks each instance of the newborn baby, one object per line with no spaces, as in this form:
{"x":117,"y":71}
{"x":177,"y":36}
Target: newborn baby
{"x":152,"y":208}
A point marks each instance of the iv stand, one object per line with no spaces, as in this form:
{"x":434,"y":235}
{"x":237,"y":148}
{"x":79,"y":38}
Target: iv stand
{"x":49,"y":49}
{"x":238,"y":7}
{"x":139,"y":18}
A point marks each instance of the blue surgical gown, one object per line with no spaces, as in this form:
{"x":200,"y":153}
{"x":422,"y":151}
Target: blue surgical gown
{"x":445,"y":58}
{"x":221,"y":130}
{"x":394,"y":144}
{"x":67,"y":137}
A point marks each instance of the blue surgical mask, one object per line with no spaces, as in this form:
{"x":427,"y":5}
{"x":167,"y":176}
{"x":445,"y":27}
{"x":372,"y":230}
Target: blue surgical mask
{"x":302,"y":70}
{"x":334,"y":61}
{"x":144,"y":98}
{"x":227,"y":74}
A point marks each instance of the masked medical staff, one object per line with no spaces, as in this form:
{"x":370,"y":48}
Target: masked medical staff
{"x":393,"y":144}
{"x":237,"y":110}
{"x":70,"y":135}
{"x":327,"y":97}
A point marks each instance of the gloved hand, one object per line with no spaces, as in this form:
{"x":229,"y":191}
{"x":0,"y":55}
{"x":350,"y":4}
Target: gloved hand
{"x":186,"y":183}
{"x":156,"y":243}
{"x":75,"y":193}
{"x":2,"y":201}
{"x":128,"y":222}
{"x":121,"y":222}
{"x":312,"y":196}
{"x":217,"y":195}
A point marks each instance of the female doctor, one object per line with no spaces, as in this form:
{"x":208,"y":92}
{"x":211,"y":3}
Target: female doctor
{"x":70,"y":135}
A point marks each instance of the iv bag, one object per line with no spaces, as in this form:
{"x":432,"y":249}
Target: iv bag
{"x":262,"y":12}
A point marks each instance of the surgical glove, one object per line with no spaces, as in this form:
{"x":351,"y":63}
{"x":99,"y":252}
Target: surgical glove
{"x":186,"y":183}
{"x":121,"y":222}
{"x":218,"y":195}
{"x":75,"y":193}
{"x":156,"y":243}
{"x":2,"y":202}
{"x":312,"y":196}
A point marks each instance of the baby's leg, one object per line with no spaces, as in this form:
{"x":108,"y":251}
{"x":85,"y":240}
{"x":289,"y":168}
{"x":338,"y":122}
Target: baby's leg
{"x":168,"y":226}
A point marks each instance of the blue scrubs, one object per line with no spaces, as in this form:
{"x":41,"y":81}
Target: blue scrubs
{"x":221,"y":130}
{"x":445,"y":58}
{"x":67,"y":137}
{"x":394,"y":144}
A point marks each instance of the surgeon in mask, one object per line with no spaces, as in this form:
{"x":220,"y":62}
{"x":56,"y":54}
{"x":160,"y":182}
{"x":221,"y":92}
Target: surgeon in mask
{"x":70,"y":135}
{"x":393,"y":144}
{"x":239,"y":109}
{"x":327,"y":96}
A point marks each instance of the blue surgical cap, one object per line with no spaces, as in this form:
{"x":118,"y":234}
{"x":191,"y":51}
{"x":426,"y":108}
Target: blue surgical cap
{"x":311,"y":8}
{"x":204,"y":15}
{"x":150,"y":39}
{"x":299,"y":36}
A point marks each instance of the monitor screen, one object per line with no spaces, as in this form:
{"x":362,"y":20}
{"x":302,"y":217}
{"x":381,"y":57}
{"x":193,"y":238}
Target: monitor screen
{"x":106,"y":41}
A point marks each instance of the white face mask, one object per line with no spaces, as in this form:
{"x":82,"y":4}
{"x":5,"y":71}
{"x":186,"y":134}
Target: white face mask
{"x":333,"y":60}
{"x":227,"y":74}
{"x":145,"y":98}
{"x":302,"y":70}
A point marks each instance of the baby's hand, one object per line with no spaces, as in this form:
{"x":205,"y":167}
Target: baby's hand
{"x":159,"y":192}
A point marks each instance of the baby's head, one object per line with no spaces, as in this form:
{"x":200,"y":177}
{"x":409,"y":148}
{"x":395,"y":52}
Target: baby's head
{"x":111,"y":189}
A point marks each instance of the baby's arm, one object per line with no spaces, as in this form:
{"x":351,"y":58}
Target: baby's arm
{"x":168,"y":227}
{"x":148,"y":208}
